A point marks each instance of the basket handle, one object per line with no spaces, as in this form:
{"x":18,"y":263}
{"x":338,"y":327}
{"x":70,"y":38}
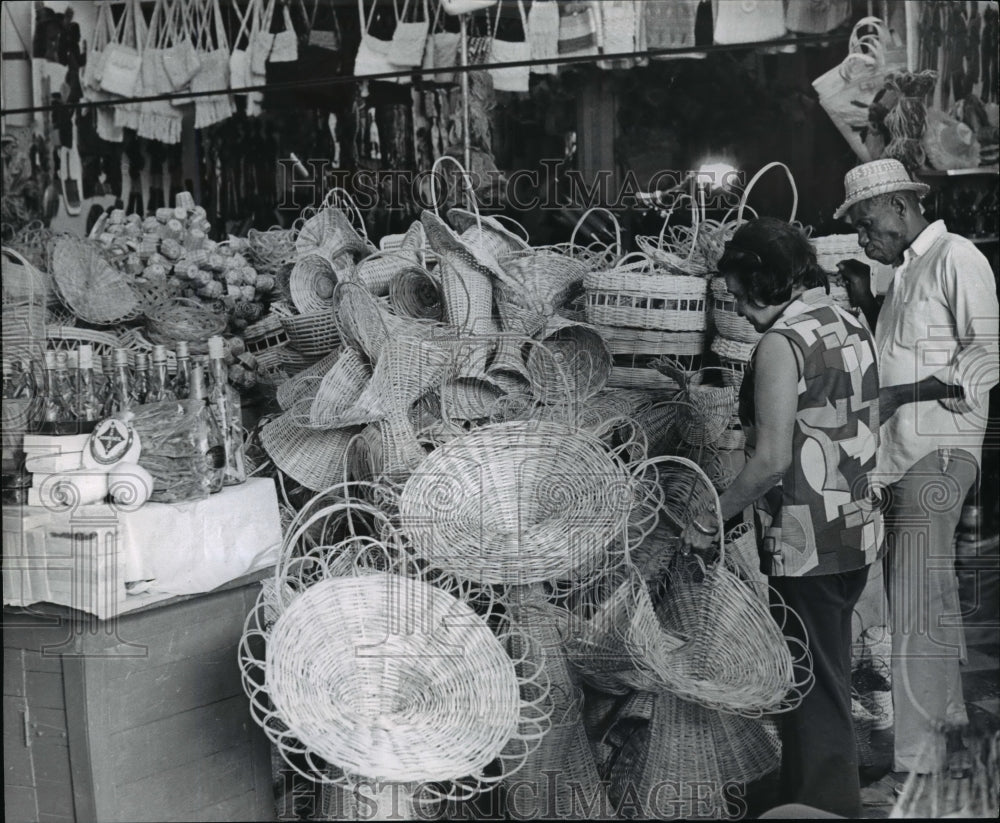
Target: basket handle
{"x":583,"y":218}
{"x":339,"y":197}
{"x":756,"y":177}
{"x":466,"y":179}
{"x":520,"y":230}
{"x":633,"y":260}
{"x":639,"y":468}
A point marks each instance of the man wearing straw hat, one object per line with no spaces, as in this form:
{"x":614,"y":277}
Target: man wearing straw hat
{"x":936,"y":336}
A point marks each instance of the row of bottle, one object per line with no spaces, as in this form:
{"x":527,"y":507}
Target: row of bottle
{"x":74,"y":395}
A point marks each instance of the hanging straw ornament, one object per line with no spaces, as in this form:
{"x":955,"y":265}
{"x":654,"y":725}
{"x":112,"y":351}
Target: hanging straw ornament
{"x":583,"y":358}
{"x":556,"y":500}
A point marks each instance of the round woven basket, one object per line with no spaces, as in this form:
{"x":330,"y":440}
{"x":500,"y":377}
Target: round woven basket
{"x":376,"y":272}
{"x":372,"y":688}
{"x":516,"y":502}
{"x":707,"y":409}
{"x":576,"y":362}
{"x":639,"y":293}
{"x":96,"y":291}
{"x":313,"y":335}
{"x":725,"y":318}
{"x":734,"y":357}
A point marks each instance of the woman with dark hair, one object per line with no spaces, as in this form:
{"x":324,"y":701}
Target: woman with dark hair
{"x":809,"y":405}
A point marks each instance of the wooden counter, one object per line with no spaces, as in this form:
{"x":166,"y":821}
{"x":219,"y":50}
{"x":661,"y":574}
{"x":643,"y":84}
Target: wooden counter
{"x":137,"y":718}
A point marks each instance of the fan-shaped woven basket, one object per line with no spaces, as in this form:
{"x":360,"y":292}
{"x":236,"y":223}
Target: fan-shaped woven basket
{"x":640,"y":293}
{"x":96,"y":291}
{"x":329,"y":233}
{"x":516,"y":502}
{"x":576,"y":362}
{"x":338,"y":389}
{"x":542,"y":278}
{"x":383,"y":696}
{"x":306,"y":383}
{"x":314,"y":458}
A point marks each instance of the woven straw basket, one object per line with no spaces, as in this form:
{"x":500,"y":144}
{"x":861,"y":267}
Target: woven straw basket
{"x":416,"y":292}
{"x":418,"y":713}
{"x":516,"y":502}
{"x":313,"y":458}
{"x":578,"y":367}
{"x":24,"y":307}
{"x":313,"y":335}
{"x":640,"y":293}
{"x":97,"y":292}
{"x":725,"y":318}
{"x":312,"y":282}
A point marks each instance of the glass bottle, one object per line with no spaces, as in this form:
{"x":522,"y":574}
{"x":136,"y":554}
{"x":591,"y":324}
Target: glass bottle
{"x":120,"y":398}
{"x":182,"y":380}
{"x":58,"y":416}
{"x":159,"y":380}
{"x":211,"y":443}
{"x":87,"y":410}
{"x":102,"y":381}
{"x":226,"y":405}
{"x":140,"y":380}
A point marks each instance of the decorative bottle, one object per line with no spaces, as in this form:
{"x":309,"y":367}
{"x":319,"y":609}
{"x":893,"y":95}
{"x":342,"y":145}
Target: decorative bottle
{"x":226,"y":405}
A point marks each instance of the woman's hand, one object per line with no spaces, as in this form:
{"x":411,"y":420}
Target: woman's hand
{"x":701,"y":536}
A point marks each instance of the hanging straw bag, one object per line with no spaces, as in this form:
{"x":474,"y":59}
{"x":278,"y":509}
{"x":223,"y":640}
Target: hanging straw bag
{"x":180,"y":59}
{"x":410,"y":37}
{"x":515,"y":78}
{"x":816,"y":16}
{"x":261,"y":39}
{"x":441,"y":50}
{"x":104,"y":29}
{"x":240,"y":75}
{"x":123,"y":58}
{"x":325,"y":38}
{"x":578,"y":29}
{"x":128,"y":114}
{"x":543,"y":34}
{"x":619,"y":24}
{"x":371,"y":56}
{"x":749,"y":21}
{"x":285,"y":45}
{"x":848,"y":89}
{"x":214,"y":72}
{"x":158,"y":119}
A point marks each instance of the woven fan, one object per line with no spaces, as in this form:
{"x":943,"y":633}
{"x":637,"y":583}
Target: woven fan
{"x":517,"y":502}
{"x":96,"y":291}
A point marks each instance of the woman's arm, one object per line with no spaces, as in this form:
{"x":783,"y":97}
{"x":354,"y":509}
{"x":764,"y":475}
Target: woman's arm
{"x":776,"y":401}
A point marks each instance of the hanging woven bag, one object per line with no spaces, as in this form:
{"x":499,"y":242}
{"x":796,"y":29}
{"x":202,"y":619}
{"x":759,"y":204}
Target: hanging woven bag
{"x":410,"y":37}
{"x":180,"y":59}
{"x":513,"y":78}
{"x":543,"y":34}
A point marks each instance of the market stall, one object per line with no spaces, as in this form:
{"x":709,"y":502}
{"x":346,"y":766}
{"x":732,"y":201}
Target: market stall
{"x":399,"y":489}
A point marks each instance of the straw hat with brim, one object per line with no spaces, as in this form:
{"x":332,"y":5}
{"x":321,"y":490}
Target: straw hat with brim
{"x":949,"y":143}
{"x":444,"y":241}
{"x":872,"y":179}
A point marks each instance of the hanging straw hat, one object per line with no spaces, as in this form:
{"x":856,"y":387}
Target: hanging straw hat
{"x":96,"y":291}
{"x":877,"y":177}
{"x":516,"y":502}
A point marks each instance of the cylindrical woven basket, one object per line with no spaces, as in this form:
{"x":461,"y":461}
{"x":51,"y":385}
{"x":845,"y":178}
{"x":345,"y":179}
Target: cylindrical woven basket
{"x":725,"y":318}
{"x":734,"y":357}
{"x":416,"y":292}
{"x":313,"y":335}
{"x":312,"y":282}
{"x":517,"y":502}
{"x":639,"y":293}
{"x":623,"y":341}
